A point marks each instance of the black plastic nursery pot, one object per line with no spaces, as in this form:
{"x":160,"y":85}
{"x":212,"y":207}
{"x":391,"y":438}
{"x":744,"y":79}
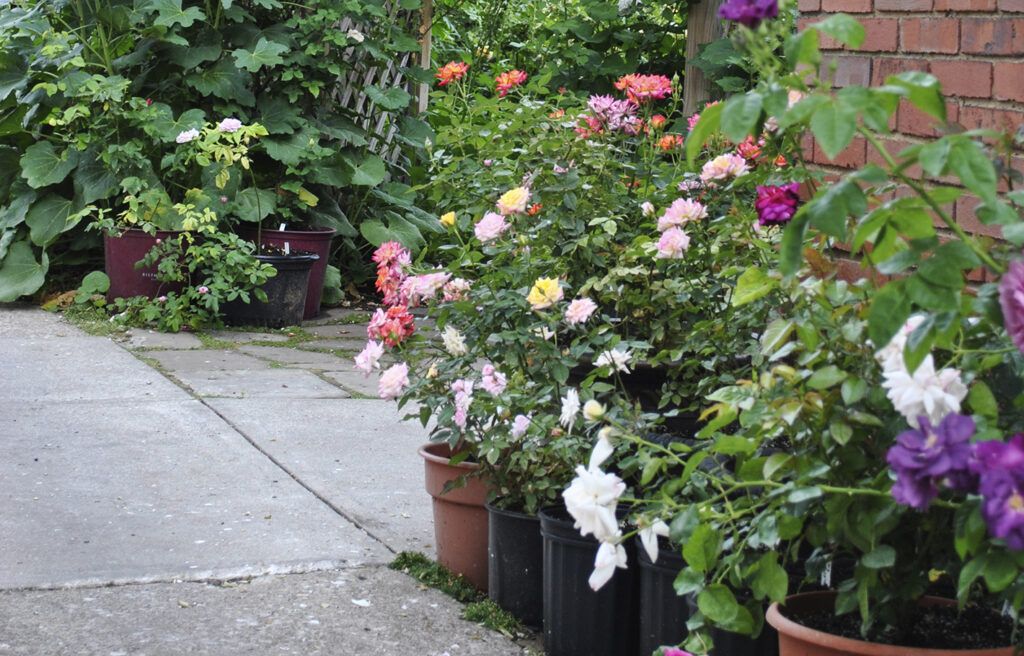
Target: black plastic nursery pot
{"x":663,"y":613}
{"x":515,"y":558}
{"x":577,"y":620}
{"x":286,"y":294}
{"x":737,"y":644}
{"x":313,"y":240}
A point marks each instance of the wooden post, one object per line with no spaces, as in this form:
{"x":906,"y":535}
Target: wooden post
{"x":426,"y":20}
{"x":702,"y":26}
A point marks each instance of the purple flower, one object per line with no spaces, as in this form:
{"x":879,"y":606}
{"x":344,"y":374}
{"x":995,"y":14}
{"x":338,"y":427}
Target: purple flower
{"x":777,"y":205}
{"x":615,"y":114}
{"x":749,"y":12}
{"x":1003,"y":506}
{"x":931,"y":456}
{"x":1011,"y":297}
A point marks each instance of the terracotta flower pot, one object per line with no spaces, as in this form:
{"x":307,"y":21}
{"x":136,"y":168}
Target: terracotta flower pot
{"x":798,"y":640}
{"x":460,"y":518}
{"x":120,"y":254}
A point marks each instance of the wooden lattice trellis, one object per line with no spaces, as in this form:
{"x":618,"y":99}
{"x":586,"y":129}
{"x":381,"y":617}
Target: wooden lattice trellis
{"x":348,"y":96}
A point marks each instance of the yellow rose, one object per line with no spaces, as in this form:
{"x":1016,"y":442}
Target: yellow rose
{"x":448,"y":219}
{"x":514,"y":200}
{"x":545,"y":293}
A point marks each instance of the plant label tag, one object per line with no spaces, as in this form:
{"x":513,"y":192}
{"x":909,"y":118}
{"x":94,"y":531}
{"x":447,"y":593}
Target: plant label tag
{"x":826,"y":575}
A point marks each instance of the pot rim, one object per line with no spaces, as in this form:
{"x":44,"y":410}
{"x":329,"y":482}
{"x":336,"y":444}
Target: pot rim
{"x":315,"y":232}
{"x":491,"y":508}
{"x":789,"y":627}
{"x":286,"y":259}
{"x":427,"y":453}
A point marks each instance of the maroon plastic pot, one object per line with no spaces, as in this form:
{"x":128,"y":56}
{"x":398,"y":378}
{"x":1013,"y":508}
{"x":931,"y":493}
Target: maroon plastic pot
{"x":314,"y":240}
{"x":120,"y":253}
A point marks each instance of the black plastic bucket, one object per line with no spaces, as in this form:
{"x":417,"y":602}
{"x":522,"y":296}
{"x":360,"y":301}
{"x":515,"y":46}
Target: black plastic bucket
{"x":286,"y":294}
{"x":577,"y":620}
{"x":663,"y":613}
{"x":737,"y":644}
{"x":515,"y":558}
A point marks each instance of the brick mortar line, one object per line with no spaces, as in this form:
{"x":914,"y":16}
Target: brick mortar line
{"x":337,"y":510}
{"x":929,"y":56}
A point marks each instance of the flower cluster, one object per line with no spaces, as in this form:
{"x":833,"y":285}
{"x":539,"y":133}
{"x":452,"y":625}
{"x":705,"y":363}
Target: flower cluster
{"x":641,"y":89}
{"x":393,"y":326}
{"x":509,"y":80}
{"x":451,"y":72}
{"x":777,"y":204}
{"x":749,"y":12}
{"x":392,"y":259}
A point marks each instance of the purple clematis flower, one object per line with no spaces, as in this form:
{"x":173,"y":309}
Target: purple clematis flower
{"x":931,"y":456}
{"x":749,"y":12}
{"x":1003,"y":507}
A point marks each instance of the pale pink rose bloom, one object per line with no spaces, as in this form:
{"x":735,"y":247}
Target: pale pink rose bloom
{"x":424,"y":287}
{"x":463,"y":389}
{"x":369,"y":358}
{"x":520,"y":425}
{"x":579,"y":310}
{"x":559,"y":170}
{"x":673,"y":243}
{"x":187,"y":136}
{"x":490,"y":227}
{"x":681,"y":212}
{"x":723,"y":167}
{"x":203,"y":289}
{"x":493,"y":380}
{"x":393,"y":381}
{"x":456,"y":290}
{"x":647,"y":208}
{"x":229,"y":125}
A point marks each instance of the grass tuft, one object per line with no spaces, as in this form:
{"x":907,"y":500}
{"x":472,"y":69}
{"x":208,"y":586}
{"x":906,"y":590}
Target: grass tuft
{"x":92,"y":320}
{"x":479,"y":609}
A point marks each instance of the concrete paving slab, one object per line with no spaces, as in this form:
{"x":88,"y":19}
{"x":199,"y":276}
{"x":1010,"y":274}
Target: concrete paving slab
{"x":350,"y":331}
{"x":268,"y":383}
{"x":355,"y":381}
{"x":159,"y":489}
{"x":207,"y":360}
{"x":357,"y":454}
{"x":303,"y":614}
{"x":347,"y":345}
{"x":338,"y":315}
{"x":243,"y":337}
{"x":139,"y":338}
{"x":294,"y":357}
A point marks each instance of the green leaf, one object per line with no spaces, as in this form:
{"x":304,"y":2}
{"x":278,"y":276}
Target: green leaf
{"x":718,"y":604}
{"x":93,"y":181}
{"x":374,"y":232}
{"x":969,"y":162}
{"x":843,"y":28}
{"x":802,"y":494}
{"x":392,"y":99}
{"x":252,"y":204}
{"x":188,"y":57}
{"x":739,"y":117}
{"x":803,"y":48}
{"x":770,"y":579}
{"x":706,"y":126}
{"x":792,"y":248}
{"x":266,"y":53}
{"x":95,"y":282}
{"x":20,"y":274}
{"x":826,"y":377}
{"x":982,"y":401}
{"x":13,"y":74}
{"x":48,"y":218}
{"x":167,"y":128}
{"x":224,"y":81}
{"x":369,"y":172}
{"x":752,"y":285}
{"x":702,"y":549}
{"x":277,"y":115}
{"x":688,"y":582}
{"x":293,"y":148}
{"x":42,"y":166}
{"x":880,"y":557}
{"x":170,"y":12}
{"x":889,"y":311}
{"x":969,"y":528}
{"x":1000,"y":571}
{"x":834,"y":124}
{"x":923,"y":91}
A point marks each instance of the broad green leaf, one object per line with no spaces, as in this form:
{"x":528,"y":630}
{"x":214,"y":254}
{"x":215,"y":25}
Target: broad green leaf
{"x":889,"y":311}
{"x":718,"y":604}
{"x":169,"y":13}
{"x":739,"y":117}
{"x":93,"y":181}
{"x":369,"y":172}
{"x":374,"y":232}
{"x":1000,"y":571}
{"x":688,"y":581}
{"x":188,"y":57}
{"x":277,"y":115}
{"x":293,"y":148}
{"x":803,"y":48}
{"x":701,"y":551}
{"x":223,"y":80}
{"x":266,"y":53}
{"x":95,"y":282}
{"x":802,"y":494}
{"x":923,"y":91}
{"x":843,"y":28}
{"x":42,"y":166}
{"x":13,"y":74}
{"x":392,"y":99}
{"x":20,"y":273}
{"x":254,"y":205}
{"x":49,"y":217}
{"x":167,"y":128}
{"x":706,"y":126}
{"x":880,"y":557}
{"x":834,"y":125}
{"x":982,"y":401}
{"x":752,"y":285}
{"x":969,"y":162}
{"x":770,"y":579}
{"x":792,"y":248}
{"x":777,"y":332}
{"x":826,"y":377}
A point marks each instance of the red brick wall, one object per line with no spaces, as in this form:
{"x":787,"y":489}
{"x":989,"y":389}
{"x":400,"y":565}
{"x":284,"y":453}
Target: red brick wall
{"x":974,"y":47}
